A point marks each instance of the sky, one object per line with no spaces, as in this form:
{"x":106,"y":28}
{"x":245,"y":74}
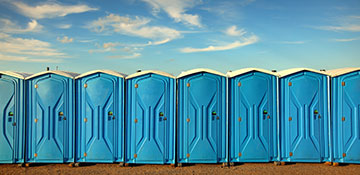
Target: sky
{"x":178,"y":35}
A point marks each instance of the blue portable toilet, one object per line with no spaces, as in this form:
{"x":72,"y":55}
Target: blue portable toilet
{"x":100,"y":117}
{"x":345,"y":103}
{"x":202,"y":120}
{"x":50,"y":117}
{"x":12,"y":116}
{"x":150,"y":118}
{"x":304,"y":116}
{"x":252,"y":115}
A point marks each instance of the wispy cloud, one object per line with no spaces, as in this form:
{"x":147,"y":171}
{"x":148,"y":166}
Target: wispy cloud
{"x":346,"y":39}
{"x":65,"y":39}
{"x":347,"y":24}
{"x":50,"y":9}
{"x":242,"y":39}
{"x":177,"y":10}
{"x":292,"y":42}
{"x":11,"y":27}
{"x":26,"y":59}
{"x":233,"y":31}
{"x":136,"y":26}
{"x":132,"y":56}
{"x":22,"y":49}
{"x":349,"y":28}
{"x":64,"y":26}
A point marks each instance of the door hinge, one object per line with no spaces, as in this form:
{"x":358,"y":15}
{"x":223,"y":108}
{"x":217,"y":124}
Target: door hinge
{"x":85,"y":120}
{"x":136,"y":120}
{"x":85,"y":85}
{"x":36,"y":86}
{"x":239,"y":84}
{"x":136,"y":85}
{"x":240,"y":154}
{"x":85,"y":154}
{"x":343,"y":83}
{"x":187,"y":155}
{"x":135,"y":155}
{"x":36,"y":120}
{"x":188,"y":120}
{"x":290,"y":84}
{"x":343,"y":118}
{"x":291,"y":154}
{"x":290,"y":118}
{"x":344,"y":155}
{"x":35,"y":155}
{"x":188,"y":84}
{"x":239,"y":119}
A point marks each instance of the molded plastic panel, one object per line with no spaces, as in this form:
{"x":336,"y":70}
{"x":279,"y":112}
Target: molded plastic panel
{"x":12,"y":119}
{"x":304,"y":119}
{"x":346,"y":117}
{"x":50,"y":121}
{"x":100,"y":118}
{"x":253,"y":118}
{"x":202,"y":119}
{"x":150,"y":120}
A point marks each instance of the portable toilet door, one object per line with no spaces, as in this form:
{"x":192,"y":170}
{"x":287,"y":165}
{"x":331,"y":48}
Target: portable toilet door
{"x":150,"y":118}
{"x":202,"y":119}
{"x":252,"y":115}
{"x":304,"y":119}
{"x":345,"y":93}
{"x":50,"y":117}
{"x":100,"y":117}
{"x":12,"y":117}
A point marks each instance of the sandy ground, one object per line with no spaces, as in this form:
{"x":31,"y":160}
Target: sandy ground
{"x":248,"y":168}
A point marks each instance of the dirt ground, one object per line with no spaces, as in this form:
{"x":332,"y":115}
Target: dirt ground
{"x":217,"y":169}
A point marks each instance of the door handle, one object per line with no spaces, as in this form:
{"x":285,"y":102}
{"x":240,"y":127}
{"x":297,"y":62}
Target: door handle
{"x":316,"y":114}
{"x":61,"y":116}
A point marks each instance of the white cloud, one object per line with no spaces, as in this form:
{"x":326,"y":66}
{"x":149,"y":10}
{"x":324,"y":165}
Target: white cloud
{"x":176,"y":9}
{"x":133,"y":27}
{"x":64,"y":26}
{"x":347,"y":24}
{"x":349,"y":28}
{"x":50,"y":9}
{"x":26,"y":59}
{"x":11,"y":27}
{"x":132,"y":56}
{"x":21,"y":49}
{"x":241,"y":36}
{"x":65,"y":39}
{"x":293,"y":42}
{"x":346,"y":39}
{"x":233,"y":31}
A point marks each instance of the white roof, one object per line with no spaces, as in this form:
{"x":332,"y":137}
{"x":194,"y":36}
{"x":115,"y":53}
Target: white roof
{"x":20,"y":75}
{"x":296,"y":70}
{"x":342,"y":71}
{"x":110,"y":72}
{"x":150,"y":72}
{"x":246,"y":70}
{"x":194,"y":71}
{"x":62,"y":73}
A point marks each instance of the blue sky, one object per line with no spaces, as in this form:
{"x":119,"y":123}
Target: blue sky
{"x":174,"y":35}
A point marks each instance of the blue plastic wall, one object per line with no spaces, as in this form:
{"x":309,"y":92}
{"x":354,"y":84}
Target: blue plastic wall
{"x":253,"y":117}
{"x":202,"y":119}
{"x":346,"y":117}
{"x":304,"y":118}
{"x":12,"y":119}
{"x":150,"y":120}
{"x":100,"y":118}
{"x":50,"y":119}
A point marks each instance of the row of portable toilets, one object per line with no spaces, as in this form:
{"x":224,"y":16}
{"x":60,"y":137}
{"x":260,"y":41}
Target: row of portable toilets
{"x":250,"y":115}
